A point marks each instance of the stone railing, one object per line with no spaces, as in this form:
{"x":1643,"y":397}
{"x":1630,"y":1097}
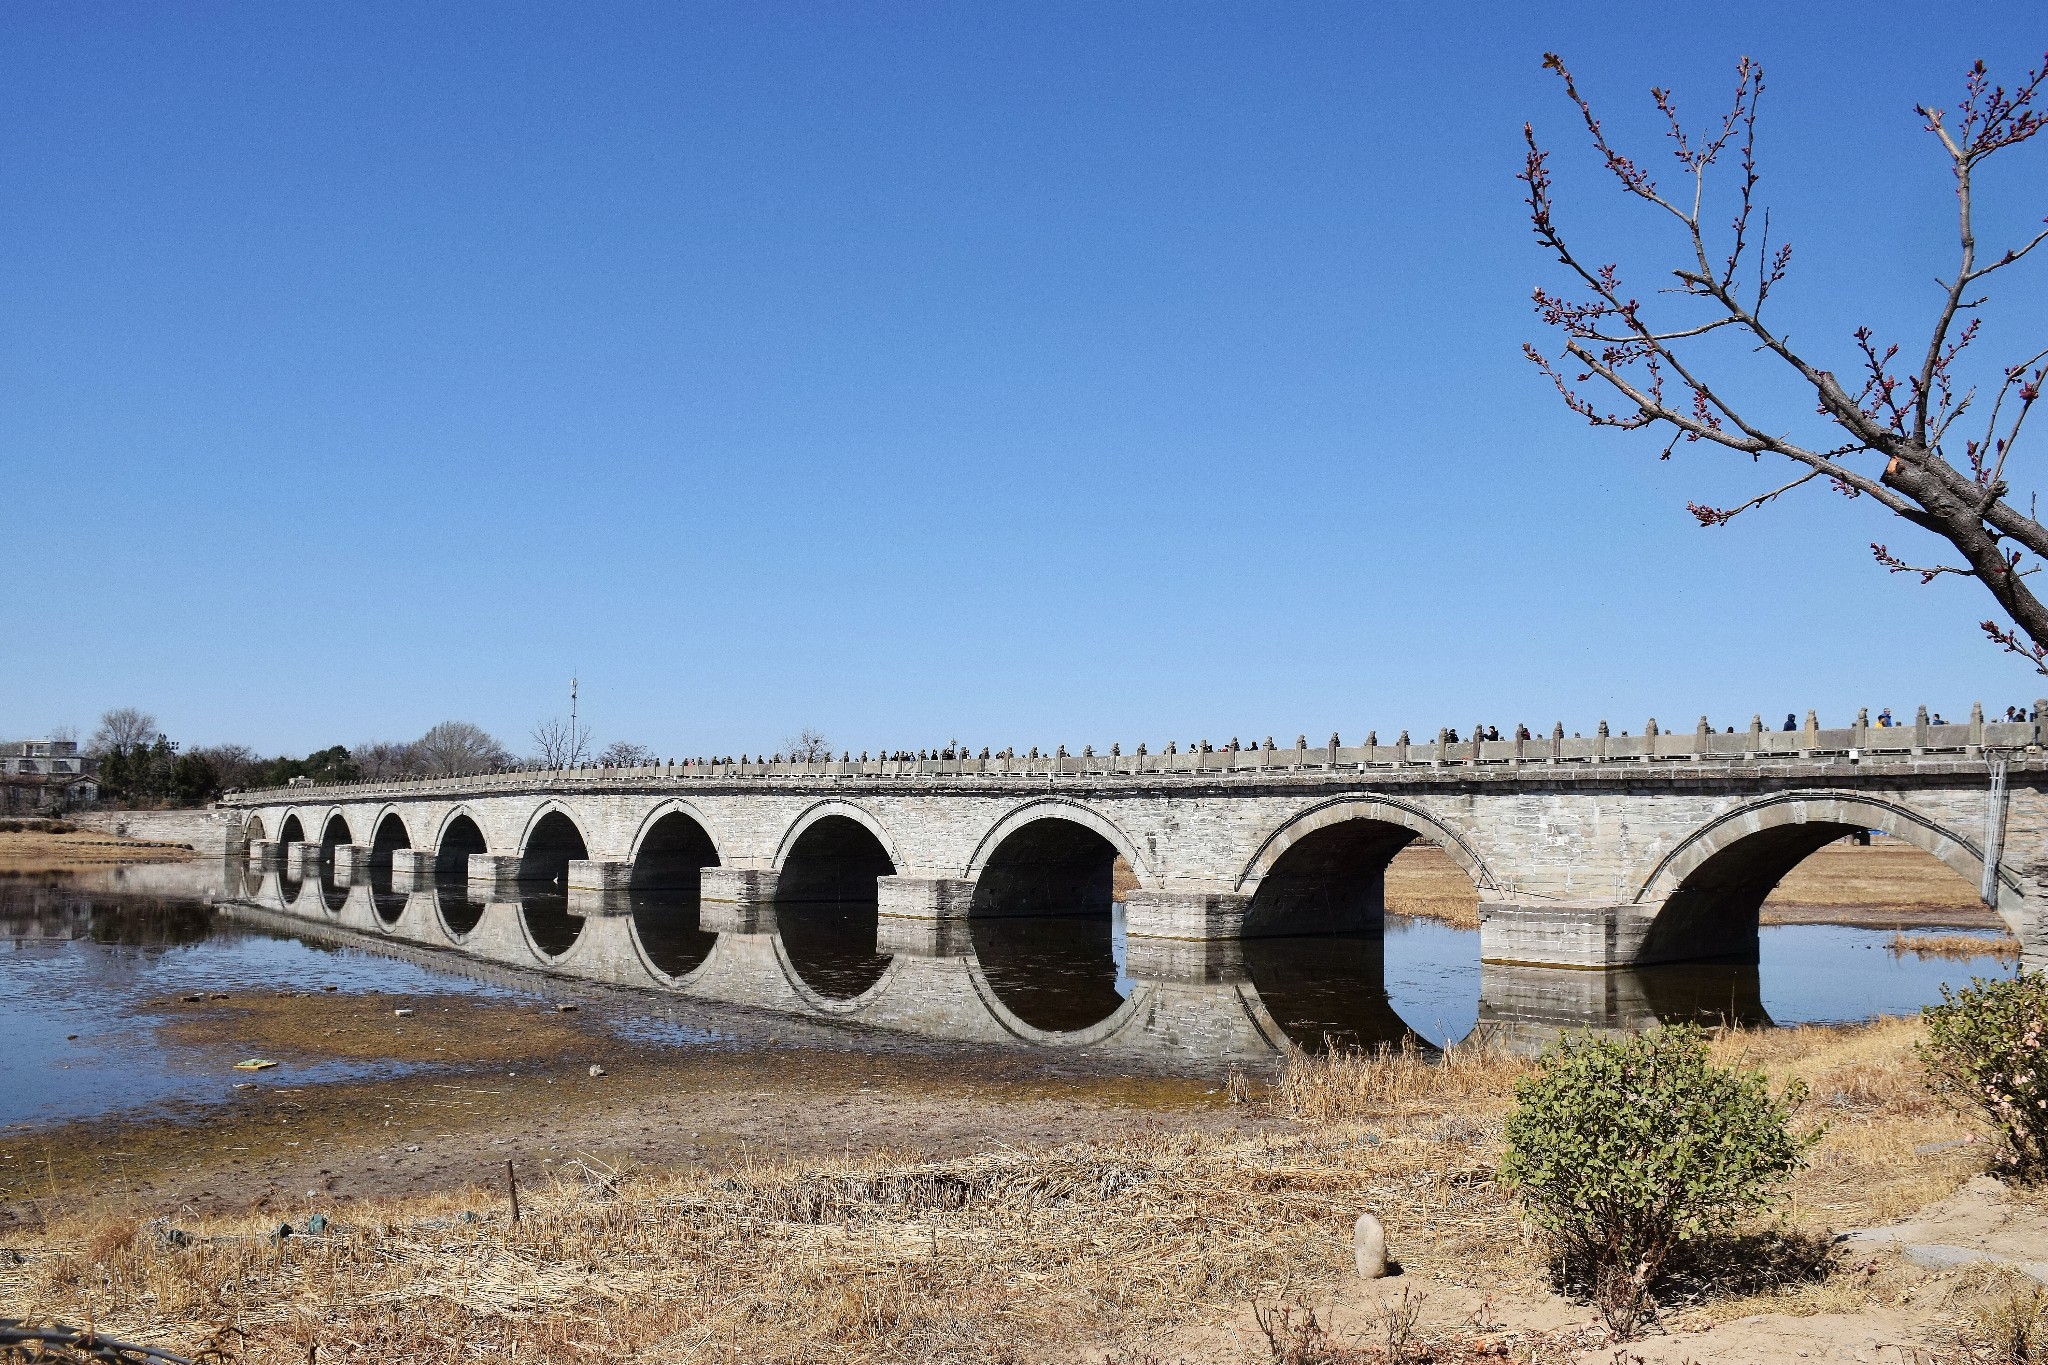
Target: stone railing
{"x":1702,"y":744}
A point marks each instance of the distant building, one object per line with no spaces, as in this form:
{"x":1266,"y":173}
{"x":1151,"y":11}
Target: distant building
{"x":43,"y":774}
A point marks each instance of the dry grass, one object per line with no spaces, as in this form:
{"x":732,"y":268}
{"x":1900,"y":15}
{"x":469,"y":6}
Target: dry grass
{"x":1423,"y":883}
{"x":1009,"y":1255}
{"x":1887,"y":873}
{"x":35,"y":850}
{"x":1955,"y":947}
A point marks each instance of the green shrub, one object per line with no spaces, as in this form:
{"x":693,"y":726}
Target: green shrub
{"x":1621,"y":1149}
{"x":1983,"y":1053}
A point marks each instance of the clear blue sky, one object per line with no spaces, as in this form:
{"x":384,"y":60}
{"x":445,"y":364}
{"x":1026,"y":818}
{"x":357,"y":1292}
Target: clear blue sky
{"x":1027,"y":374}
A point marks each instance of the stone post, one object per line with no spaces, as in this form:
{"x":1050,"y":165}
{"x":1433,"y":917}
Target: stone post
{"x":494,"y":869}
{"x":1861,"y":739}
{"x":1401,"y":748}
{"x":592,"y":874}
{"x":351,"y":864}
{"x":1920,"y":730}
{"x":1756,"y":737}
{"x":1557,"y":741}
{"x":1976,"y":725}
{"x":736,"y":900}
{"x":1702,"y":739}
{"x":1809,"y":743}
{"x":1193,"y":915}
{"x":1600,"y":743}
{"x":1650,"y":740}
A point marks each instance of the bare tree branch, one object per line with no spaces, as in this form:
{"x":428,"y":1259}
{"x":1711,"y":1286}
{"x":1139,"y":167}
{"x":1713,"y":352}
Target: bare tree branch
{"x":1609,"y":340}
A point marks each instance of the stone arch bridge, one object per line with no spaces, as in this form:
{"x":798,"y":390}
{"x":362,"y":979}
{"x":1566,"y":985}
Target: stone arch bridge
{"x":1601,"y":853}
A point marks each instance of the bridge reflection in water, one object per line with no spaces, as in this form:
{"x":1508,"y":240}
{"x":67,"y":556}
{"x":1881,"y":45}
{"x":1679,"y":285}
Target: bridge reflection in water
{"x":1042,"y":961}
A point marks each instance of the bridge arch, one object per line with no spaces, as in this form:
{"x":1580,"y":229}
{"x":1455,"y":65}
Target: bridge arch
{"x":1385,"y":810}
{"x":553,"y":838}
{"x":252,"y":830}
{"x":388,"y":834}
{"x":448,"y":821}
{"x":334,"y":831}
{"x":1070,"y":811}
{"x":674,"y":806}
{"x":670,"y":850}
{"x":827,"y":903}
{"x":847,"y":810}
{"x":1708,"y":889}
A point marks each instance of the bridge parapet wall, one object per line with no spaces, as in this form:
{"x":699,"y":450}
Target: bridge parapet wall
{"x":1947,"y":743}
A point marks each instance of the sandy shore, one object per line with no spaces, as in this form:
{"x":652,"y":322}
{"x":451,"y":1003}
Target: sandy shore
{"x":35,"y":851}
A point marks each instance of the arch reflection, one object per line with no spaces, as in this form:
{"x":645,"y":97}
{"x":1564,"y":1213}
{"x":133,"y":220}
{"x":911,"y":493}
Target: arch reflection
{"x":1047,"y":929}
{"x":665,"y":894}
{"x":826,"y":907}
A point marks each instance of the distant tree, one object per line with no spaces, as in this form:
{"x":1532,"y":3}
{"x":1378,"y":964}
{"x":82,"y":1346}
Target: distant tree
{"x":620,"y":754}
{"x":234,"y":765}
{"x":456,"y":748}
{"x":1893,"y":435}
{"x":194,"y":779}
{"x":559,"y":745}
{"x":332,"y":764}
{"x":139,"y":774}
{"x":385,"y":759}
{"x":807,"y":746}
{"x":123,"y":728}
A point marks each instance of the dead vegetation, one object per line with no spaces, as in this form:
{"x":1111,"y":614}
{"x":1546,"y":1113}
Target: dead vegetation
{"x":1955,"y":947}
{"x":57,"y":848}
{"x":1162,"y":1235}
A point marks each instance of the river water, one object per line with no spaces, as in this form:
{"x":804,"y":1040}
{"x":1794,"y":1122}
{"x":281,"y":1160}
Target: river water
{"x":88,"y":962}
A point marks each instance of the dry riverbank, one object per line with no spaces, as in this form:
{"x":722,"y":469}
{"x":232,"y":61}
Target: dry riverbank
{"x":25,"y":852}
{"x":1076,"y":1222}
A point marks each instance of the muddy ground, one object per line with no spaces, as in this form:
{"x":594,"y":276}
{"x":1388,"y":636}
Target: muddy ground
{"x":497,"y":1080}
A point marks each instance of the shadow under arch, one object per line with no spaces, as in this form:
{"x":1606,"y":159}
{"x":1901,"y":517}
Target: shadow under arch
{"x":1045,"y":925}
{"x":552,"y":842}
{"x":664,"y":892}
{"x":460,"y":911}
{"x":1329,"y":965}
{"x":1072,"y":812}
{"x":1714,"y":883}
{"x":289,"y":833}
{"x":827,"y":904}
{"x":1381,"y":810}
{"x":333,"y":835}
{"x":390,"y":836}
{"x":252,"y":831}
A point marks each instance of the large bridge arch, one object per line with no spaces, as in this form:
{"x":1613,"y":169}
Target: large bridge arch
{"x":1385,"y":810}
{"x":860,"y":815}
{"x":1847,"y":810}
{"x":676,"y":805}
{"x":1074,"y":813}
{"x":552,"y":839}
{"x":460,"y":812}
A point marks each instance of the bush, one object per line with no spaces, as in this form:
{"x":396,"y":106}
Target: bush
{"x":1983,"y":1054}
{"x":1621,"y":1149}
